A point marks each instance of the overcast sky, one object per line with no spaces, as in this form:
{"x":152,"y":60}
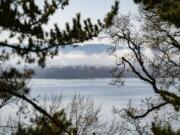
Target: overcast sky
{"x":94,"y":9}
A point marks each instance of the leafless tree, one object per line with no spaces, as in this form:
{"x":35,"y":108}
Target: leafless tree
{"x":153,"y":56}
{"x":22,"y":34}
{"x":84,"y":116}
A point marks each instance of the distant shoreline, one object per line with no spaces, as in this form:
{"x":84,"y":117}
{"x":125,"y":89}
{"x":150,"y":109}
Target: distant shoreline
{"x":80,"y":78}
{"x":78,"y":72}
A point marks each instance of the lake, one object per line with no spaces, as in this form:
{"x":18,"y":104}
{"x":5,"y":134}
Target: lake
{"x":99,"y":89}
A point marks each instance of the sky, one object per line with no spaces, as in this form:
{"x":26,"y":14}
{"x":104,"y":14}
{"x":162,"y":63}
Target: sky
{"x":94,"y":9}
{"x":97,"y":55}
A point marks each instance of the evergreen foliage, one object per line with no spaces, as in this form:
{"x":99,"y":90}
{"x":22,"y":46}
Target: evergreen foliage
{"x":165,"y":130}
{"x":44,"y":126}
{"x":168,"y":10}
{"x":24,"y":22}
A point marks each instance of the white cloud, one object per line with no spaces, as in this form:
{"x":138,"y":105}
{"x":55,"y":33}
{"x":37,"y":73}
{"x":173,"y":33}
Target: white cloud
{"x":75,"y":58}
{"x":81,"y":58}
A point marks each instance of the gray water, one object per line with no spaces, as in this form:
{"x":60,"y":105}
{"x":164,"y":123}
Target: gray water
{"x":99,"y":89}
{"x":104,"y":94}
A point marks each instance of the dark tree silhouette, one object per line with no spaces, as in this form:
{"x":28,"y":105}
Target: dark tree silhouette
{"x":168,"y":10}
{"x":83,"y":117}
{"x":23,"y":22}
{"x":159,"y":34}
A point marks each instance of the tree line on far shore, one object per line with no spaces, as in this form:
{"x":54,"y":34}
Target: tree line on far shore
{"x":23,"y":21}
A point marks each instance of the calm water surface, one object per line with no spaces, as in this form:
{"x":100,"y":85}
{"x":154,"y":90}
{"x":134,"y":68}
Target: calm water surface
{"x":100,"y":89}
